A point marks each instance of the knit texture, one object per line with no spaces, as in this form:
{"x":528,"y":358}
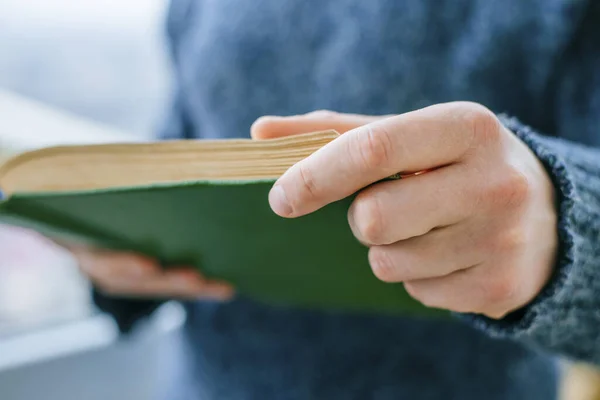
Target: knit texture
{"x":535,"y":60}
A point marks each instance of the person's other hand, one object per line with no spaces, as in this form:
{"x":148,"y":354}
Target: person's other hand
{"x":476,"y":233}
{"x":132,"y":275}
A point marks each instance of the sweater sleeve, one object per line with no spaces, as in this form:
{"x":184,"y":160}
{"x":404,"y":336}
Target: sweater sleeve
{"x":565,"y":316}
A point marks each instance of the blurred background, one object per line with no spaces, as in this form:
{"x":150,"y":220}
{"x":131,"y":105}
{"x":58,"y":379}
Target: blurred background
{"x":99,"y":60}
{"x":73,"y":72}
{"x":102,"y":59}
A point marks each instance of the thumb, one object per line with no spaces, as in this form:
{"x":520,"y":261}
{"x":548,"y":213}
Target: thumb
{"x":270,"y":127}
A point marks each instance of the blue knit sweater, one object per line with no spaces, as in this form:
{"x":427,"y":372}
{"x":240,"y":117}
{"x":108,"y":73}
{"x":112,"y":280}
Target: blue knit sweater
{"x":536,"y":61}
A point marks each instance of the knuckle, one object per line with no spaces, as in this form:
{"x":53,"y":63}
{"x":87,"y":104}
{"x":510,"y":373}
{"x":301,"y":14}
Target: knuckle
{"x":307,"y":180}
{"x":501,"y":290}
{"x":368,"y":219}
{"x":508,"y":192}
{"x":373,"y":146}
{"x":516,"y":189}
{"x":482,"y":123}
{"x":382,"y":265}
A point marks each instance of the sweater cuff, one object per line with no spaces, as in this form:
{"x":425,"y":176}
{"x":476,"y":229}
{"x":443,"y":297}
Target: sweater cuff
{"x":125,"y":311}
{"x":565,"y":317}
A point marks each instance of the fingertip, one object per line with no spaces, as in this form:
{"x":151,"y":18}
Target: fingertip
{"x":262,"y":128}
{"x":219,"y":291}
{"x":279,"y":202}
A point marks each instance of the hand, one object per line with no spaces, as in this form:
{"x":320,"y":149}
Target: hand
{"x":476,"y":233}
{"x":134,"y":275}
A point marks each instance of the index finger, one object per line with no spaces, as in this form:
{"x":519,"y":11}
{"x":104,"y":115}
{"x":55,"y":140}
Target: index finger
{"x":428,"y":138}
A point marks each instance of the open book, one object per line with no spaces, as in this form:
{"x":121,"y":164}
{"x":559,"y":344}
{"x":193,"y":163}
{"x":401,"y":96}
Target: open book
{"x":202,"y":203}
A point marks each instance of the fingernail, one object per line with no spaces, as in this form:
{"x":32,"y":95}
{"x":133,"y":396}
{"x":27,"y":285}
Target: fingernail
{"x":279,"y":202}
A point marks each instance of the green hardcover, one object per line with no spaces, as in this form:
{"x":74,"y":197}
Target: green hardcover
{"x":228,"y":231}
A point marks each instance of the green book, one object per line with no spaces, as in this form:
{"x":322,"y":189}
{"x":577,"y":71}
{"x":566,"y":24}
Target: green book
{"x":203,"y":203}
